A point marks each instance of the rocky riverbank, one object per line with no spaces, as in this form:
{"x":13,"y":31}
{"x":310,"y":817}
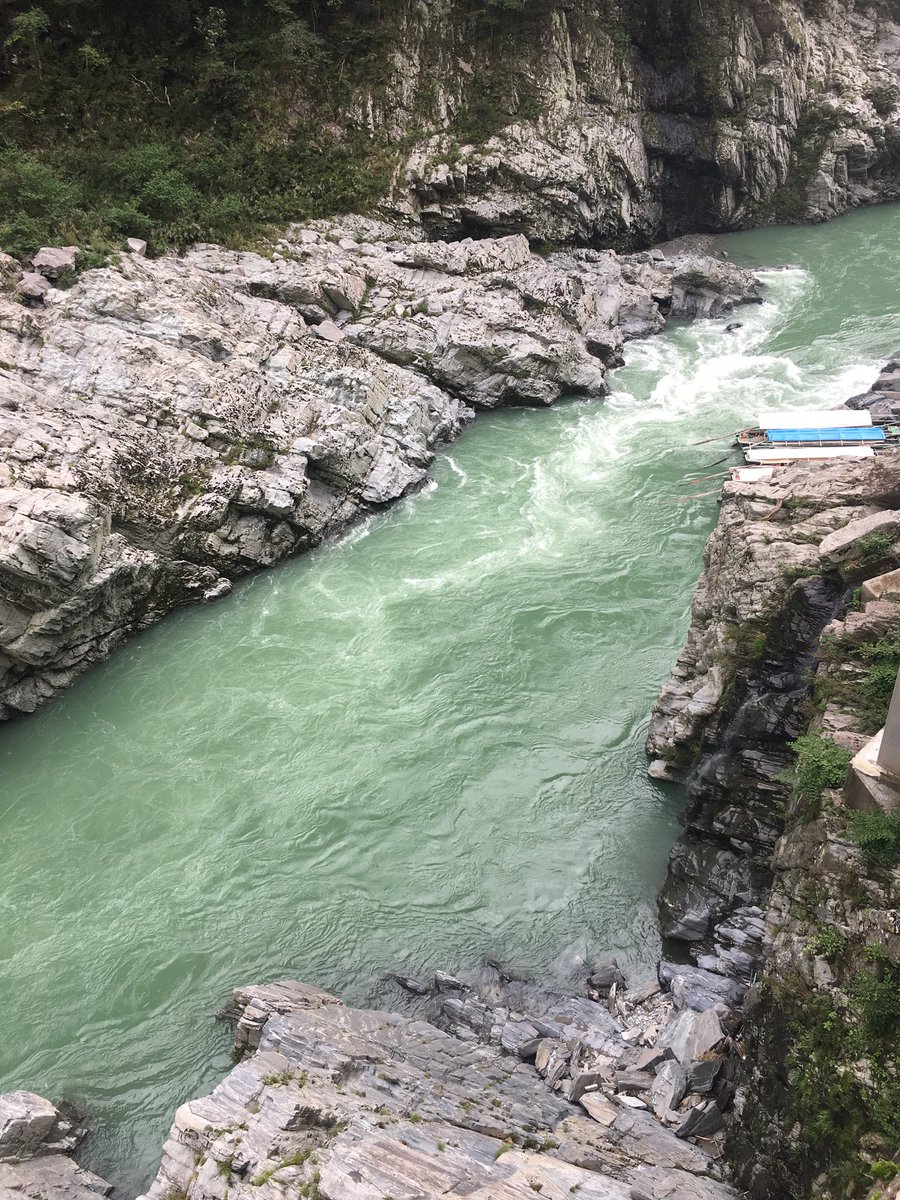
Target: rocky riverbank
{"x":616,"y":1095}
{"x":786,"y":674}
{"x":169,"y":425}
{"x":769,"y":1065}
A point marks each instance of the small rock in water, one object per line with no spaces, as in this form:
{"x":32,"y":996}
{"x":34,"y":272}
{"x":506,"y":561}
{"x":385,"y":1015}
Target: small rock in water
{"x":412,"y":985}
{"x":137,"y":246}
{"x":449,"y":983}
{"x":606,"y":976}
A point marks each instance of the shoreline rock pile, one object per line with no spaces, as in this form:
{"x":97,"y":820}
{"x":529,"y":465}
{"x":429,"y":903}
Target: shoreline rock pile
{"x":37,"y":1141}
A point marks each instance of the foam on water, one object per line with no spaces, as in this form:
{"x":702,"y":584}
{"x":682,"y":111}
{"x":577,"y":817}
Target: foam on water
{"x":417,"y":746}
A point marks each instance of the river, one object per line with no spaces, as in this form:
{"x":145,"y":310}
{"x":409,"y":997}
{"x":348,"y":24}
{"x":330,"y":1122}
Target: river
{"x":414,"y":747}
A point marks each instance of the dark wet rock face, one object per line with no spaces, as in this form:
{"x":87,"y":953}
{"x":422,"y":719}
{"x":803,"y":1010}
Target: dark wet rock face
{"x":769,"y":889}
{"x":736,"y":791}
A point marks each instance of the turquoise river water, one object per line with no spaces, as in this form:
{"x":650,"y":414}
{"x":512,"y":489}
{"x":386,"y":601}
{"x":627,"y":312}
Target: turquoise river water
{"x":413,"y":748}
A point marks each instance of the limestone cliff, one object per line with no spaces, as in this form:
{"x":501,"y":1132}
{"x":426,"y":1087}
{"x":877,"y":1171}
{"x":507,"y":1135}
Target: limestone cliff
{"x":632,"y":121}
{"x":788,"y":668}
{"x":611,"y":123}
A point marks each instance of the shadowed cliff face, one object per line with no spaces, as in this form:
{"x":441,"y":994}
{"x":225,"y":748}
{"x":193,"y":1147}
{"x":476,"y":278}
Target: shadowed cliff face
{"x":638,"y":120}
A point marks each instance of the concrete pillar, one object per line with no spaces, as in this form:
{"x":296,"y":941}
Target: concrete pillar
{"x":889,"y":751}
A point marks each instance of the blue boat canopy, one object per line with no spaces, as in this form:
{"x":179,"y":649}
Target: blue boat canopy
{"x":868,"y":434}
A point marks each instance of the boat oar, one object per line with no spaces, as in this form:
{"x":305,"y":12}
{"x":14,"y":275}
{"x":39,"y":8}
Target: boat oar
{"x":725,"y":437}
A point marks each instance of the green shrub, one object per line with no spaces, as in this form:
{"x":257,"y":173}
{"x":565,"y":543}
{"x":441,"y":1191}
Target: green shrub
{"x":883,"y":658}
{"x":878,"y":1000}
{"x":877,"y":834}
{"x":174,"y":123}
{"x":820,"y":764}
{"x":883,"y":1170}
{"x":827,"y":943}
{"x":875,"y":544}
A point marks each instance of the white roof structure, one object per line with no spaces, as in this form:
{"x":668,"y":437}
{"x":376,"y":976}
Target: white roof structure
{"x":815,"y":418}
{"x":769,"y":454}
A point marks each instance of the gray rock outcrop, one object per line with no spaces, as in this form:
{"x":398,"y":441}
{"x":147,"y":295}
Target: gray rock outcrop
{"x":36,"y":1143}
{"x":636,"y":123}
{"x":776,"y":569}
{"x":336,"y":1102}
{"x":168,"y":425}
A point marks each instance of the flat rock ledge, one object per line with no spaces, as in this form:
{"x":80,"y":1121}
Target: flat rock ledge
{"x":169,"y":425}
{"x":613,"y":1095}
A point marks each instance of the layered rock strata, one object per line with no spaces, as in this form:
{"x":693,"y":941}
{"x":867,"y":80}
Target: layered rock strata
{"x":36,"y":1145}
{"x":737,"y":696}
{"x":777,"y":882}
{"x":169,"y":425}
{"x":335,"y":1102}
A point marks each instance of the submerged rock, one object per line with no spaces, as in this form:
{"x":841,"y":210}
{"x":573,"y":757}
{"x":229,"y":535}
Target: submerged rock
{"x":36,"y":1142}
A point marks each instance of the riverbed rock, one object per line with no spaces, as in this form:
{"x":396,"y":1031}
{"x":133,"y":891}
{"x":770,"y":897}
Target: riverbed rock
{"x":36,"y":1142}
{"x":691,"y":1035}
{"x":168,"y":425}
{"x":693,"y":987}
{"x":354,"y":1103}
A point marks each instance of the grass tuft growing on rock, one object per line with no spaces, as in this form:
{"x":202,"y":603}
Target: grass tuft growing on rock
{"x":877,"y":834}
{"x":820,"y":764}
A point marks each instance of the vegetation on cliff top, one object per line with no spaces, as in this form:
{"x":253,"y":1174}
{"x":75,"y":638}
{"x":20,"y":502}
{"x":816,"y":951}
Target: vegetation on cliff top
{"x":185,"y":120}
{"x":177,"y":121}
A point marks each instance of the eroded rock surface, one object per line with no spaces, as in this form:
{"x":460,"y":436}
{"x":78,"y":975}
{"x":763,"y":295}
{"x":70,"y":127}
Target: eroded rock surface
{"x":36,"y":1142}
{"x":782,"y":560}
{"x":779,"y":884}
{"x":337,"y":1102}
{"x":639,"y":124}
{"x":169,"y":425}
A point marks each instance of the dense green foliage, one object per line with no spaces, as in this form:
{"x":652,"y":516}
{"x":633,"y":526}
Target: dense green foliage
{"x":820,"y":764}
{"x":178,"y":120}
{"x":864,"y":682}
{"x":182,"y":120}
{"x":877,"y":834}
{"x":829,"y":1072}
